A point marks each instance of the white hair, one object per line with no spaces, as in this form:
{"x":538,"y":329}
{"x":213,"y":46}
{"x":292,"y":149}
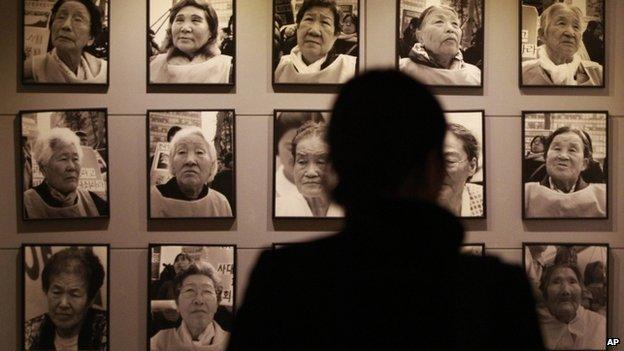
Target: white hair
{"x":188,"y":131}
{"x":46,"y":143}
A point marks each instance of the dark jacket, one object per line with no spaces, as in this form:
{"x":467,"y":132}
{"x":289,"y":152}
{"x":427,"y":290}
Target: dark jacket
{"x":392,"y":280}
{"x":39,"y":332}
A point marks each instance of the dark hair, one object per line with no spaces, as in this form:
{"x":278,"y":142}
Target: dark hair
{"x":79,"y":261}
{"x":538,"y":137}
{"x":289,"y":120}
{"x":469,"y":141}
{"x":211,"y":19}
{"x":587,"y":153}
{"x":309,"y":129}
{"x":550,"y":270}
{"x":182,"y":255}
{"x":94,"y":13}
{"x":172,"y":132}
{"x":590,"y":271}
{"x":198,"y":268}
{"x":379,"y":139}
{"x":354,"y":19}
{"x":328,"y":4}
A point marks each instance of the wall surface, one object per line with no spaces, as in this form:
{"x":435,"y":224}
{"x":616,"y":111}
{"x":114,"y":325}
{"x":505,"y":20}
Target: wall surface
{"x":129,"y":232}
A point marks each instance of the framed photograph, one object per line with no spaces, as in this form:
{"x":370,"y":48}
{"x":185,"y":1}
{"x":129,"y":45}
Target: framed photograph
{"x":562,"y":44}
{"x":191,"y":296}
{"x":65,"y":42}
{"x":463,"y":188}
{"x":441,"y":45}
{"x":473,"y":249}
{"x":571,"y":287}
{"x":191,"y":42}
{"x":301,"y":167}
{"x":65,"y":297}
{"x":315,"y":42}
{"x":565,"y":164}
{"x":191,"y":163}
{"x":64,"y":158}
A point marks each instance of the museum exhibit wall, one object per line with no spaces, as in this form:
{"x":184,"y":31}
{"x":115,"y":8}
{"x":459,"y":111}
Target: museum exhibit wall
{"x":128,"y":231}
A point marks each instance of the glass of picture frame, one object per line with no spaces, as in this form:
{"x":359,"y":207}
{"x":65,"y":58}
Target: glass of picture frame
{"x":473,"y":249}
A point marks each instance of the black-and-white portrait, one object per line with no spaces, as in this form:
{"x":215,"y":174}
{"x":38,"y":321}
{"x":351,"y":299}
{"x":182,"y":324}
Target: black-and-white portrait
{"x":303,"y":173}
{"x":191,"y":297}
{"x":440,"y":42}
{"x":191,"y":164}
{"x":64,"y":164}
{"x":473,"y":249}
{"x":570,"y":284}
{"x":65,"y":42}
{"x":562,"y":43}
{"x":315,"y":41}
{"x":463,"y":187}
{"x":564,"y":165}
{"x":191,"y":42}
{"x":65,"y":297}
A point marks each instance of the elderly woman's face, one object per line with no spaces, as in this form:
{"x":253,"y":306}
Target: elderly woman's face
{"x":458,"y":167}
{"x":68,"y":301}
{"x":71,"y":28}
{"x":190,"y":30}
{"x":63,"y":170}
{"x":315,"y":33}
{"x":181,"y":264}
{"x":311,"y":166}
{"x":440,"y":33}
{"x":564,"y":159}
{"x":197,"y":302}
{"x":191,"y":162}
{"x":563,"y":33}
{"x":563,"y":294}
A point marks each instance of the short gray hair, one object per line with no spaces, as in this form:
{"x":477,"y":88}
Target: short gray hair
{"x":546,"y":16}
{"x":188,"y":131}
{"x":46,"y":143}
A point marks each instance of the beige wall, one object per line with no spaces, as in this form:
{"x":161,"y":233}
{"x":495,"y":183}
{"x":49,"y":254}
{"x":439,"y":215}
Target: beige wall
{"x":128,"y":231}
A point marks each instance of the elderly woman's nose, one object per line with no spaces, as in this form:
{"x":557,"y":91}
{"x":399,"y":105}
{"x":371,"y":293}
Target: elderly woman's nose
{"x":64,"y":301}
{"x":67,"y":22}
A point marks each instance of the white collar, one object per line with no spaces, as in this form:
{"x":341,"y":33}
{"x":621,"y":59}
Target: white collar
{"x":205,"y":338}
{"x":302,"y":67}
{"x":560,"y":74}
{"x":554,"y":187}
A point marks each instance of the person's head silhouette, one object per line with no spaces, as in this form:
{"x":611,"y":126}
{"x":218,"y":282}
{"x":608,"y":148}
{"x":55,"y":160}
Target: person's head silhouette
{"x":386,"y":135}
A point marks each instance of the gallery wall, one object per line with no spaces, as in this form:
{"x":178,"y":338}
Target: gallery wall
{"x":127,"y":99}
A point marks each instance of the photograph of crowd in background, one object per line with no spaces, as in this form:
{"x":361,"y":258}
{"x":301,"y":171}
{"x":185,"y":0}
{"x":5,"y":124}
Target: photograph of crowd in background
{"x":65,"y":297}
{"x":463,"y":187}
{"x":65,"y":42}
{"x":303,"y":175}
{"x":564,"y":168}
{"x":440,"y":42}
{"x":191,"y":297}
{"x":191,"y":42}
{"x":562,"y":43}
{"x":64,"y":164}
{"x":191,"y":164}
{"x":570,"y":284}
{"x":473,"y":249}
{"x":315,"y":41}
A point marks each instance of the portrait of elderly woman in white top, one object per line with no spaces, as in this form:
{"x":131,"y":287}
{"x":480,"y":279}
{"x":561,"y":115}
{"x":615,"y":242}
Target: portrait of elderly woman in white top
{"x":59,"y":155}
{"x":436,"y":57}
{"x":312,"y":60}
{"x":193,"y":165}
{"x":561,"y":56}
{"x":74,"y":26}
{"x":191,"y":54}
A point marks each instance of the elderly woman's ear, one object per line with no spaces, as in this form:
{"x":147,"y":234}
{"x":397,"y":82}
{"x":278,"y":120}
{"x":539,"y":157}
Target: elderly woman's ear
{"x":473,"y":166}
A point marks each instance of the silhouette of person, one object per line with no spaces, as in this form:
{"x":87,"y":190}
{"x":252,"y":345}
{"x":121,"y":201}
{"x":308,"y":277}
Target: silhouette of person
{"x":393,"y":279}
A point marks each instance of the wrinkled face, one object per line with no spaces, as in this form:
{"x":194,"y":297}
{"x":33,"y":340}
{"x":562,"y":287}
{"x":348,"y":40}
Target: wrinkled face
{"x":564,"y":158}
{"x":440,"y":33}
{"x":63,"y":170}
{"x":71,"y":28}
{"x":68,"y":302}
{"x":191,"y":162}
{"x":563,"y":294}
{"x":311,"y":166}
{"x":197,"y":302}
{"x":563,"y":33}
{"x":181,"y":264}
{"x":458,"y":167}
{"x":284,"y":151}
{"x":315,"y":33}
{"x":190,"y":30}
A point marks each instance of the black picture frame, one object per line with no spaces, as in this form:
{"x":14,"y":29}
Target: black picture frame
{"x":606,"y":247}
{"x":464,"y":248}
{"x":23,"y":271}
{"x":525,"y":215}
{"x":184,"y":85}
{"x":274,"y":153}
{"x":483,"y":156}
{"x":21,"y":115}
{"x":275,"y":50}
{"x":231,"y":198}
{"x":521,"y":49}
{"x":400,"y":15}
{"x":105,"y":45}
{"x":151,"y":291}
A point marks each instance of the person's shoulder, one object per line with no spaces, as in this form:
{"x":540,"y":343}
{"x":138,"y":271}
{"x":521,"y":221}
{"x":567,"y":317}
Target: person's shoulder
{"x":406,"y":62}
{"x":100,"y":203}
{"x":160,"y":341}
{"x":472,"y":68}
{"x":34,"y":323}
{"x":32,"y":330}
{"x":530,"y":64}
{"x":591,"y":64}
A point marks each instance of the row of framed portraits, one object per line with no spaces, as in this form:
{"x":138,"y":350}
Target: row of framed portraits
{"x":191,"y":163}
{"x":193,"y":42}
{"x":67,"y":288}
